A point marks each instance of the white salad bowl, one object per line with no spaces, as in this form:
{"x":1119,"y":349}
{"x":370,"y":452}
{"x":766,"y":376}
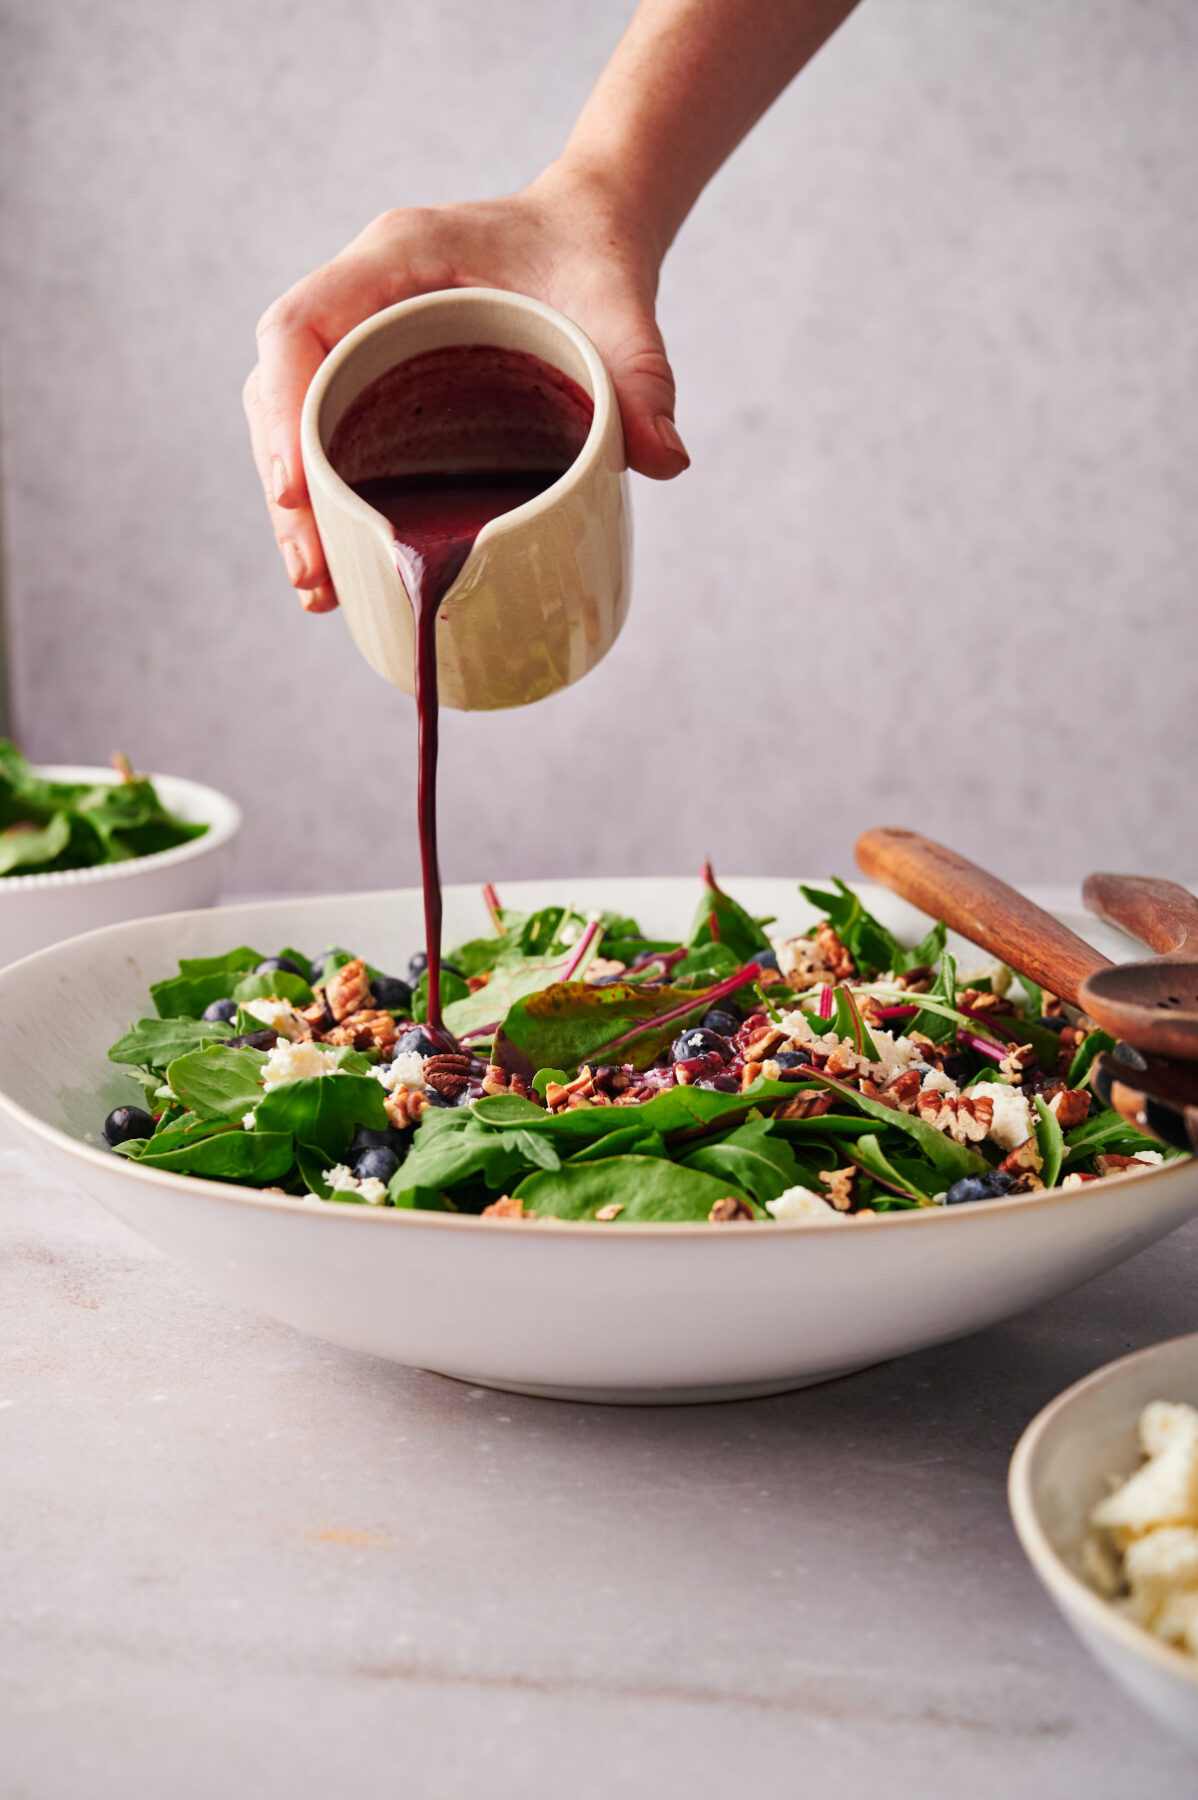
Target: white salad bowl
{"x":636,"y":1313}
{"x":1063,"y":1465}
{"x":36,"y":910}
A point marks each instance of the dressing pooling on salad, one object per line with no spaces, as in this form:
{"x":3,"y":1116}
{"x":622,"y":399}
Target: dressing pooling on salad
{"x":587,"y":1072}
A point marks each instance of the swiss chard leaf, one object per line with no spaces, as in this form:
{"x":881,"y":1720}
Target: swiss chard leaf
{"x":453,"y":990}
{"x":933,"y":1024}
{"x":155,"y":1043}
{"x":644,"y":1187}
{"x":721,"y":919}
{"x":513,"y":979}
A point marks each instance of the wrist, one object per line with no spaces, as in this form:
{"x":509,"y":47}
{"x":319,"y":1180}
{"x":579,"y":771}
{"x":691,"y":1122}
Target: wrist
{"x":609,"y":199}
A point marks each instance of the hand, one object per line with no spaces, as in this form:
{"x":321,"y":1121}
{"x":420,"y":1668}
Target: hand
{"x":564,"y":240}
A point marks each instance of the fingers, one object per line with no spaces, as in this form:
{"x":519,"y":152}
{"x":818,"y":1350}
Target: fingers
{"x":636,"y":356}
{"x":295,"y":526}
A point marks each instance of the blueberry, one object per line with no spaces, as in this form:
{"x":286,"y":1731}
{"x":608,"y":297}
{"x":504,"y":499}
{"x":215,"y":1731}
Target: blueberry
{"x":765,"y":959}
{"x":419,"y":964}
{"x":126,"y":1123}
{"x":1052,"y":1022}
{"x":376,"y":1165}
{"x":391,"y":1138}
{"x":225,"y":1010}
{"x":979,"y":1187}
{"x":722,"y":1022}
{"x":698,"y":1043}
{"x":266,"y":1039}
{"x":282,"y":965}
{"x":436,"y":1099}
{"x":391,"y":993}
{"x":418,"y":1040}
{"x":793,"y":1059}
{"x":956,"y":1068}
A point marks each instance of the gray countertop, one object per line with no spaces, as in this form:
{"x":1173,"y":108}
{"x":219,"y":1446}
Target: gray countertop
{"x":235,"y":1560}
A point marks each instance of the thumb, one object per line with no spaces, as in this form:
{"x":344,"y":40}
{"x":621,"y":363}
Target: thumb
{"x":644,"y":383}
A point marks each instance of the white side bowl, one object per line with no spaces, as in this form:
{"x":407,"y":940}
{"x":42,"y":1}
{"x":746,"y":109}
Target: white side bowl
{"x":602,"y":1312}
{"x":1061,"y":1469}
{"x":36,"y":910}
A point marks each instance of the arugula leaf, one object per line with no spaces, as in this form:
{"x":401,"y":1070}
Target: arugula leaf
{"x":869,"y":1153}
{"x":218,"y":1082}
{"x":323,"y":1111}
{"x":750,"y":1159}
{"x":1092,"y":1045}
{"x":646,"y":1189}
{"x":1050,"y":1142}
{"x":933,"y":1024}
{"x":733,"y":926}
{"x":155,"y":1043}
{"x":256,"y":1157}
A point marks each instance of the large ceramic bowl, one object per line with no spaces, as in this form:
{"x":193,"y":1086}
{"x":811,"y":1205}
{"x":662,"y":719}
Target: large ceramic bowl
{"x":36,"y":910}
{"x":1061,"y":1468}
{"x":604,"y":1312}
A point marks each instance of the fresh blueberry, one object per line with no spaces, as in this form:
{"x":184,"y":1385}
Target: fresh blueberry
{"x":979,"y":1187}
{"x":225,"y":1010}
{"x":723,"y":1084}
{"x":376,"y":1165}
{"x":435,"y":1098}
{"x":793,"y":1059}
{"x":956,"y":1068}
{"x":391,"y":993}
{"x":765,"y":959}
{"x":126,"y":1123}
{"x":1052,"y":1022}
{"x":698,"y":1043}
{"x":391,"y":1138}
{"x":280,"y":965}
{"x":418,"y":1040}
{"x":266,"y":1039}
{"x":419,"y":964}
{"x":721,"y":1021}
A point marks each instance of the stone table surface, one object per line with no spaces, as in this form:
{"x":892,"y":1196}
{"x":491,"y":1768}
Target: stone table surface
{"x":234,"y":1560}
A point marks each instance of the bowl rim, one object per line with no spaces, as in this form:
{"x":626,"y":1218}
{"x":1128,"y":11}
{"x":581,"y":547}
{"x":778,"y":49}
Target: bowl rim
{"x":1072,"y":1594}
{"x":231,"y":1193}
{"x":219,"y":812}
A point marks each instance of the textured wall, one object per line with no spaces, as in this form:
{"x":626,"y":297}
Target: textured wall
{"x":936,"y":332}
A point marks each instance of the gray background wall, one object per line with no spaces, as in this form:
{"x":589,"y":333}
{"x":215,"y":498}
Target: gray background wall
{"x":936,"y":334}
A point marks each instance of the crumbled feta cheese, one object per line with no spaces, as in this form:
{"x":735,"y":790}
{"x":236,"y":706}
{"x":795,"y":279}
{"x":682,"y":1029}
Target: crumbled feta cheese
{"x":296,"y":1062}
{"x":1163,"y":1492}
{"x":1146,"y":1543}
{"x":801,"y":1206}
{"x":247,"y":1119}
{"x":1148,"y":1156}
{"x":1165,"y":1422}
{"x":1073,"y":1181}
{"x":937,"y":1082}
{"x":894,"y":1054}
{"x":1012,"y":1122}
{"x":1160,"y":1562}
{"x":342,"y":1180}
{"x":407,"y":1070}
{"x":278,"y":1015}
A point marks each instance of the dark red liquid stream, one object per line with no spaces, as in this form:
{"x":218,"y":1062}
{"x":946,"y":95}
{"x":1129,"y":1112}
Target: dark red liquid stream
{"x":436,"y":518}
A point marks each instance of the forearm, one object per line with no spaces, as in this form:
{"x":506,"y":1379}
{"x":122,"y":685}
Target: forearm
{"x":685,"y":84}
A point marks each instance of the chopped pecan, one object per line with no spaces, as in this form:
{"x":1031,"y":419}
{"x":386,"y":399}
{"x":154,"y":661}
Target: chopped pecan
{"x":1019,"y":1061}
{"x":604,"y":968}
{"x":917,"y":980}
{"x":612,"y":1210}
{"x":728,"y":1210}
{"x":977,"y":1000}
{"x":404,"y":1106}
{"x":347,"y":991}
{"x":902,"y":1090}
{"x":449,"y":1074}
{"x":367,"y":1030}
{"x":506,"y":1208}
{"x":965,"y":1117}
{"x":749,"y":1074}
{"x":608,"y":1078}
{"x":476,"y":982}
{"x":498,"y":1081}
{"x":1024,"y":1159}
{"x":1072,"y":1107}
{"x":1110,"y":1164}
{"x":1051,"y":1007}
{"x":1068,"y":1040}
{"x":871,"y":1012}
{"x":841,"y":1185}
{"x":806,"y":1106}
{"x":845,"y":1063}
{"x":763,"y":1042}
{"x":833,"y":953}
{"x":317,"y":1016}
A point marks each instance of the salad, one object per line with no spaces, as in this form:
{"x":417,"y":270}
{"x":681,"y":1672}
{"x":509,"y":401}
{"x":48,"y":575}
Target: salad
{"x":586,"y":1071}
{"x":50,"y":825}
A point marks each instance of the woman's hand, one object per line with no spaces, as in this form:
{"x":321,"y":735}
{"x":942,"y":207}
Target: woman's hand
{"x":565,"y":240}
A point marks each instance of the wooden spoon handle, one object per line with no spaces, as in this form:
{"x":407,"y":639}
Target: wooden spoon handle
{"x":982,"y":908}
{"x":1160,"y":913}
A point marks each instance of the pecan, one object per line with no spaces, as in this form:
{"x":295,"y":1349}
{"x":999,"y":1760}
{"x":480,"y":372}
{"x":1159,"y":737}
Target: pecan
{"x":806,"y":1106}
{"x":871,"y":1012}
{"x":1072,"y":1107}
{"x":348,"y":991}
{"x":901,"y":1090}
{"x":1068,"y":1039}
{"x":1019,"y":1060}
{"x":728,"y":1210}
{"x":506,"y":1208}
{"x":367,"y":1030}
{"x":448,"y":1074}
{"x":833,"y":953}
{"x":604,"y":968}
{"x":404,"y":1106}
{"x":1110,"y":1164}
{"x":917,"y":980}
{"x":1024,"y":1159}
{"x":498,"y":1081}
{"x":845,"y":1063}
{"x":841,"y":1185}
{"x":475,"y":982}
{"x":612,"y":1210}
{"x":317,"y":1016}
{"x":1051,"y":1007}
{"x":749,"y":1074}
{"x":608,"y":1078}
{"x":761,"y":1043}
{"x":977,"y":1000}
{"x":965,"y":1117}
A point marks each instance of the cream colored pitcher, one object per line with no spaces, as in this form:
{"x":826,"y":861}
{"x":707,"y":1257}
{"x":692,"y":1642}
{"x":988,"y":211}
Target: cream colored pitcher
{"x":544,"y":591}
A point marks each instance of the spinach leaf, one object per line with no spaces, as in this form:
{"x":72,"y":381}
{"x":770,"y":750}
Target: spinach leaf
{"x":944,"y":1153}
{"x":323,"y":1111}
{"x":453,"y":990}
{"x":453,"y":1148}
{"x":235,"y":962}
{"x":721,"y":919}
{"x":630,"y":1140}
{"x":934,"y":1024}
{"x":1107,"y":1134}
{"x":677,"y":1109}
{"x":218,"y":1082}
{"x":750,"y":1159}
{"x":280,"y":984}
{"x":1092,"y":1045}
{"x":644,"y":1187}
{"x":705,"y":965}
{"x":175,"y":1132}
{"x":1050,"y":1142}
{"x":256,"y":1157}
{"x":26,"y":847}
{"x":155,"y":1043}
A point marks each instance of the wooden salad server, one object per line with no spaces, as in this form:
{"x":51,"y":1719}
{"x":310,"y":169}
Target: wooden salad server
{"x":1153,"y":1092}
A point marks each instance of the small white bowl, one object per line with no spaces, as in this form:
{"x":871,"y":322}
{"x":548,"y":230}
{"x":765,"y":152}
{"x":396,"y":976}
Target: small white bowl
{"x":36,"y":910}
{"x":635,"y":1313}
{"x":1060,"y":1470}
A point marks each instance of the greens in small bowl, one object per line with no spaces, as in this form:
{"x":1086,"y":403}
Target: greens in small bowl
{"x":49,"y":825}
{"x":588,"y":1072}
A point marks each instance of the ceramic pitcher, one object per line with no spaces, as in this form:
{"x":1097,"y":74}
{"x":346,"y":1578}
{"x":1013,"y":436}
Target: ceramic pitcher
{"x":544,"y":591}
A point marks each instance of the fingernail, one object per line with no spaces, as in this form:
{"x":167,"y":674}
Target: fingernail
{"x":279,"y":481}
{"x":293,"y":558}
{"x":667,"y":433}
{"x":317,"y":599}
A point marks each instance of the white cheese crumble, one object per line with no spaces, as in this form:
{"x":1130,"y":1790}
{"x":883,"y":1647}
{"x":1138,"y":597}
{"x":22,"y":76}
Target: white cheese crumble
{"x":248,"y":1119}
{"x":276,"y":1014}
{"x":296,"y":1062}
{"x":1012,"y":1122}
{"x":1148,"y":1529}
{"x":894,"y":1054}
{"x":801,"y":1206}
{"x":406,"y":1071}
{"x":342,"y":1180}
{"x":937,"y":1082}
